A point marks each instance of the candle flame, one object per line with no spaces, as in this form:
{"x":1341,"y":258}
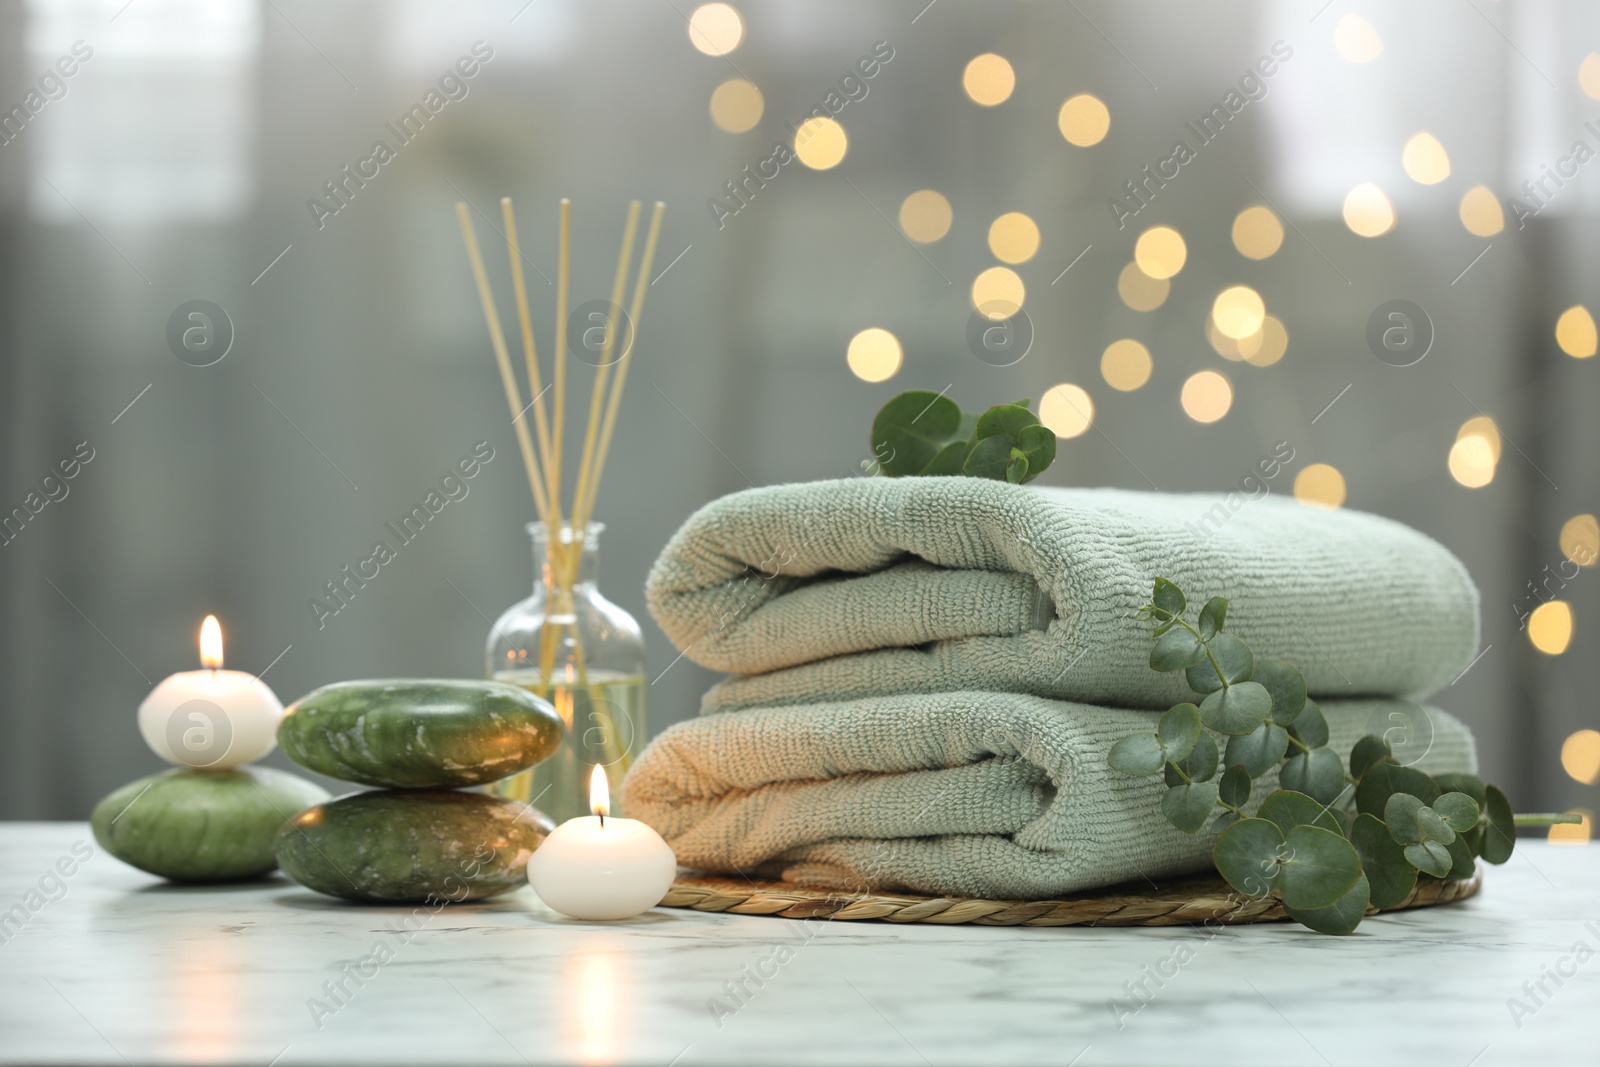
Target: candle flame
{"x":211,"y":643}
{"x":599,"y":792}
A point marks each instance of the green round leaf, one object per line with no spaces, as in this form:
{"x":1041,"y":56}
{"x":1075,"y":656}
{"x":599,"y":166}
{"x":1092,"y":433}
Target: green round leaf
{"x":1189,"y":806}
{"x":911,"y":429}
{"x":1039,"y":444}
{"x":1310,"y":726}
{"x":1500,"y":831}
{"x":1367,"y":751}
{"x":1212,"y":616}
{"x":1005,"y":420}
{"x":1258,"y":750}
{"x":1225,"y":820}
{"x":1459,"y":811}
{"x":1287,"y":689}
{"x":1288,"y":809}
{"x":1430,"y":857}
{"x":1178,"y":731}
{"x":1233,"y":655}
{"x":1319,"y":867}
{"x":1017,"y":467}
{"x":1433,"y":826}
{"x":1247,"y":855}
{"x":1340,"y":917}
{"x":1235,"y":788}
{"x":1168,"y":598}
{"x":1400,"y":815}
{"x":1384,"y":862}
{"x":1137,"y":754}
{"x":1462,"y":863}
{"x":1469,"y":784}
{"x":1384,"y":779}
{"x":1174,"y":650}
{"x":1317,"y":773}
{"x":1201,"y":763}
{"x":1238,"y":709}
{"x":949,"y":460}
{"x":989,"y":458}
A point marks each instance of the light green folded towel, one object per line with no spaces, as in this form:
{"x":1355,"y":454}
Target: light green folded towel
{"x":974,"y":794}
{"x":861,"y":587}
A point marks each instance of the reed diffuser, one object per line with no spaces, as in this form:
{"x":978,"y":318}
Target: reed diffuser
{"x":566,"y":642}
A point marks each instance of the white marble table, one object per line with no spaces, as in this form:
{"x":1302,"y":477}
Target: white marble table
{"x":122,"y":969}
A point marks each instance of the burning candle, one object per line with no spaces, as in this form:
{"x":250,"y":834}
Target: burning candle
{"x":597,"y":867}
{"x":210,"y":719}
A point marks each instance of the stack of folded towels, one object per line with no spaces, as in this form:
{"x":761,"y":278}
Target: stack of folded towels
{"x":928,"y":673}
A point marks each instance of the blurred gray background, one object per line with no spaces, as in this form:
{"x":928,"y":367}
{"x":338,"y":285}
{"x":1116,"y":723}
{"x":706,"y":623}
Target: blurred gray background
{"x":176,"y":164}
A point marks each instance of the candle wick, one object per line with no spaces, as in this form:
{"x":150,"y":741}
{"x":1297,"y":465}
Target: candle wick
{"x":602,"y":819}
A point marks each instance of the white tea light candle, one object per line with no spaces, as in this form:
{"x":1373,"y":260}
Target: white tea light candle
{"x":210,"y":719}
{"x":596,"y":867}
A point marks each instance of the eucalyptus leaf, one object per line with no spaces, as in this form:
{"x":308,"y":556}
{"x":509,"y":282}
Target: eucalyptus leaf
{"x":1458,"y":810}
{"x":1400,"y":815}
{"x":1319,"y":774}
{"x":989,"y":458}
{"x":1238,"y":709}
{"x":1234,"y":657}
{"x":1383,"y":860}
{"x":1004,"y":420}
{"x":1311,"y":728}
{"x":1469,"y":784}
{"x":1433,"y":827}
{"x":1462,"y":864}
{"x":1039,"y":444}
{"x":911,"y":429}
{"x":1246,"y":855}
{"x":1168,"y":598}
{"x":1137,"y":755}
{"x":1500,"y":831}
{"x":1367,"y":751}
{"x":1384,"y":779}
{"x":1176,"y":649}
{"x":1287,"y":688}
{"x":1178,"y":731}
{"x":1017,"y":467}
{"x":1212,"y":616}
{"x":1288,"y":809}
{"x":1258,"y":750}
{"x":1202,"y":762}
{"x":1319,"y":867}
{"x":1340,"y":917}
{"x":949,"y":460}
{"x":1430,"y":857}
{"x":1225,"y":820}
{"x":1189,"y":806}
{"x":1235,"y":787}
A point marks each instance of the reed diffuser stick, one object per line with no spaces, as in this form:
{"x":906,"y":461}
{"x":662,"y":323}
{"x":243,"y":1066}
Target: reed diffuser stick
{"x":563,"y":275}
{"x":619,"y":289}
{"x":585,"y":508}
{"x":529,"y":351}
{"x":497,"y":341}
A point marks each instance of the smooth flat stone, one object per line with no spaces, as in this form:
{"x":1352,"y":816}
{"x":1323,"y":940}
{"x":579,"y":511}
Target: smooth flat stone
{"x":202,"y":826}
{"x":404,"y":733}
{"x":409,"y":846}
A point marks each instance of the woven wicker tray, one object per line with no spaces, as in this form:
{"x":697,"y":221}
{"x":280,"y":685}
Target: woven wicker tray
{"x":1179,"y":901}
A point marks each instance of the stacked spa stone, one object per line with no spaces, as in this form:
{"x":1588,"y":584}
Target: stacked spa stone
{"x":416,"y":836}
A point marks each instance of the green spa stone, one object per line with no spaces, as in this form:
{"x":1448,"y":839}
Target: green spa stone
{"x":202,"y":826}
{"x":399,"y":846}
{"x":403,"y":733}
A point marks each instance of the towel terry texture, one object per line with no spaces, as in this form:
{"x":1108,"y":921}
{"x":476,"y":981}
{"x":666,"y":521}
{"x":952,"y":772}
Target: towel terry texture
{"x":869,"y":586}
{"x":975,"y":794}
{"x":929,"y":672}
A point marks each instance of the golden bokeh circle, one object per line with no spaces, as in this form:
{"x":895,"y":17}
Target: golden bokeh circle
{"x":1471,"y":461}
{"x":1270,"y":343}
{"x":1140,"y":291}
{"x":1125,"y":365}
{"x":716,"y":29}
{"x":988,"y":79}
{"x":925,"y":216}
{"x":1424,"y":159}
{"x":874,"y":354}
{"x":1580,"y":540}
{"x":736,"y":105}
{"x":1320,"y":485}
{"x":998,"y":292}
{"x":820,"y":143}
{"x":1206,"y":396}
{"x":1238,"y":312}
{"x":1013,"y":237}
{"x":1160,"y":252}
{"x":1257,"y":232}
{"x":1575,"y":332}
{"x":1084,"y":120}
{"x":1481,"y":213}
{"x":1550,"y":627}
{"x":1580,"y":756}
{"x":1357,"y":40}
{"x":1368,"y":211}
{"x":1067,"y":410}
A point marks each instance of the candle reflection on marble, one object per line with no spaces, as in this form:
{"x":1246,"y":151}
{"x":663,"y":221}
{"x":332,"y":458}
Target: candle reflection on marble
{"x":595,"y":867}
{"x":595,"y":980}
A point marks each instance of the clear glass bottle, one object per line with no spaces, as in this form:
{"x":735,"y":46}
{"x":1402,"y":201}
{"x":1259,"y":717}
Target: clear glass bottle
{"x":585,"y":655}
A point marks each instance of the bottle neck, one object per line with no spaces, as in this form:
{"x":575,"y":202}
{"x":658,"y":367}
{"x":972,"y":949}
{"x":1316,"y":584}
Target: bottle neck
{"x":552,"y":569}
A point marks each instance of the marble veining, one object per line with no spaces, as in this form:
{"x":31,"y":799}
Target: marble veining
{"x":121,"y":968}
